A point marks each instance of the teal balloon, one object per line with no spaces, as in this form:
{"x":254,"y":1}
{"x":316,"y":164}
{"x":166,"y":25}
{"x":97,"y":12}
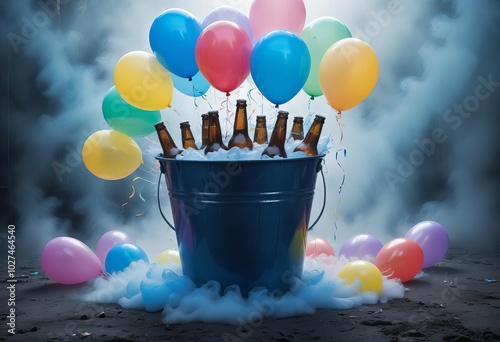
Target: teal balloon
{"x":319,"y":35}
{"x":198,"y":85}
{"x":122,"y":255}
{"x":125,"y":118}
{"x":279,"y":64}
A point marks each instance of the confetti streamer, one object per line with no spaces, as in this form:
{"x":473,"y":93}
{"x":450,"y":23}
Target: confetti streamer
{"x":140,"y":193}
{"x":344,"y":153}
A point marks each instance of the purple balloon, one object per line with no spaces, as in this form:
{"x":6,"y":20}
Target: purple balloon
{"x":362,"y":246}
{"x":231,"y":14}
{"x":432,"y":238}
{"x":108,"y":241}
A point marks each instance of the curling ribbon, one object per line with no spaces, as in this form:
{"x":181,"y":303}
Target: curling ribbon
{"x":140,"y":192}
{"x":344,"y":151}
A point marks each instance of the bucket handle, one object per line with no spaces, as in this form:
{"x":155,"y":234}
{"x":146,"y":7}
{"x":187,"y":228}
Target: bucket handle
{"x":311,"y":227}
{"x":324,"y":197}
{"x":159,"y":204}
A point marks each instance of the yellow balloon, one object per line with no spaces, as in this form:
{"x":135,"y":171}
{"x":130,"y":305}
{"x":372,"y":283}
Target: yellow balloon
{"x":169,"y":255}
{"x":111,"y":155}
{"x":143,"y":82}
{"x":348,"y":73}
{"x":366,"y":272}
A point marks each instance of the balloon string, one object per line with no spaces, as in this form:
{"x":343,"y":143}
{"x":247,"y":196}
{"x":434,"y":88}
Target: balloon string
{"x":262,"y":102}
{"x":195,"y":104}
{"x":204,"y":97}
{"x":344,"y":152}
{"x":225,"y":105}
{"x":175,"y":110}
{"x":250,"y":100}
{"x":194,"y":95}
{"x":249,"y":93}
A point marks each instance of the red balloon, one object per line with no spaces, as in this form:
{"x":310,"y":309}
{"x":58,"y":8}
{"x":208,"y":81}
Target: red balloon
{"x":315,"y":247}
{"x":223,"y":55}
{"x":400,"y":258}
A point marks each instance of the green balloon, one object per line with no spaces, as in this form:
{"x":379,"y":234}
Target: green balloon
{"x":319,"y":35}
{"x":125,"y":118}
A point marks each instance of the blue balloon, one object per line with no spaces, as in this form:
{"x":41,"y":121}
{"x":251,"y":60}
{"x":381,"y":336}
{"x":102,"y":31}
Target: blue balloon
{"x":122,"y":255}
{"x":198,"y":85}
{"x":279,"y":65}
{"x":172,"y":38}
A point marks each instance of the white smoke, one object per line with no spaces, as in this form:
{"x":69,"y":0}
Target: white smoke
{"x":431,"y":57}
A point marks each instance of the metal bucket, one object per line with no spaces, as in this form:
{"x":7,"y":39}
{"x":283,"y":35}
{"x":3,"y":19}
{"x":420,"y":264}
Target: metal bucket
{"x":242,"y":222}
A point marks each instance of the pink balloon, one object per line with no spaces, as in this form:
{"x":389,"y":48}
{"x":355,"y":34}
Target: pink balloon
{"x":223,"y":55}
{"x":315,"y":247}
{"x":108,"y":241}
{"x":231,"y":14}
{"x":266,"y":16}
{"x":66,"y":260}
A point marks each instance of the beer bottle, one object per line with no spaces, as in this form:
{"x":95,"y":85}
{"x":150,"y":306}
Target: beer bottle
{"x":297,"y":132}
{"x":240,"y":136}
{"x":310,"y":144}
{"x":187,"y":136}
{"x":166,"y":141}
{"x":204,"y":131}
{"x":276,"y":145}
{"x":214,"y":133}
{"x":260,"y":134}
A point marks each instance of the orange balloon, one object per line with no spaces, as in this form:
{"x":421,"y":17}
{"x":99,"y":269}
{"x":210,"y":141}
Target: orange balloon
{"x":400,"y":258}
{"x":315,"y":247}
{"x":348,"y":73}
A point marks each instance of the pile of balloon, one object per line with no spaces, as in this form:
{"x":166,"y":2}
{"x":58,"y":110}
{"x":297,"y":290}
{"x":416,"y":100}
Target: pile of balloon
{"x":271,"y":45}
{"x":69,"y":261}
{"x":362,"y":258}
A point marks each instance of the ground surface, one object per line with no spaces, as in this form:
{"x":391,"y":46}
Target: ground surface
{"x":453,"y":302}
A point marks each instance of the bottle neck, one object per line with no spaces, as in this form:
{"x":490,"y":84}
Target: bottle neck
{"x":214,"y":135}
{"x":260,"y":135}
{"x":314,"y":133}
{"x":167,"y":143}
{"x":240,"y":121}
{"x":204,"y":131}
{"x":214,"y":130}
{"x":279,"y":132}
{"x":297,"y":132}
{"x":187,"y":137}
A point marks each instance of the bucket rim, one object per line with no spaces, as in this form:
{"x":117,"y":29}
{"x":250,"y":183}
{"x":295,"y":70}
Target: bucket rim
{"x":160,"y":157}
